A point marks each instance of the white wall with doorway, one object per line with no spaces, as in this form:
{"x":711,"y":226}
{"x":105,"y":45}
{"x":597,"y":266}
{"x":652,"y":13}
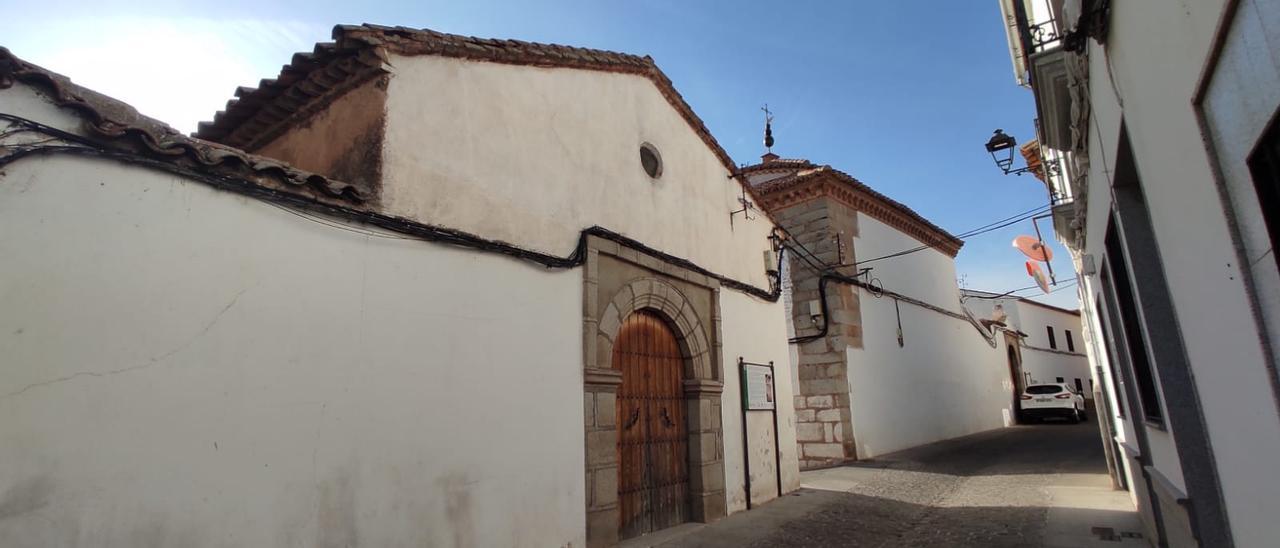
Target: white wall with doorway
{"x":1146,"y":86}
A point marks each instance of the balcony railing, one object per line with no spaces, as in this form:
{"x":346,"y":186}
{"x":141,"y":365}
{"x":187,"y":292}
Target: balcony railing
{"x":1043,"y":36}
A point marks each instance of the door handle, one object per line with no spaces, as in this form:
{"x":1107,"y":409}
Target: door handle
{"x":665,"y":418}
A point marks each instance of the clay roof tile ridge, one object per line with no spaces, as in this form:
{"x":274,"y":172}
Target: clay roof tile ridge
{"x":118,"y":127}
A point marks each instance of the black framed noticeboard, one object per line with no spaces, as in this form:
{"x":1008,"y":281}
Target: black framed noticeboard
{"x":758,"y":385}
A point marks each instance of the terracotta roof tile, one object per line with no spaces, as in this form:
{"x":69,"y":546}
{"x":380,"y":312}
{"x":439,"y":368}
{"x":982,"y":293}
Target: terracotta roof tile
{"x":779,"y":164}
{"x":118,"y":127}
{"x":782,"y":184}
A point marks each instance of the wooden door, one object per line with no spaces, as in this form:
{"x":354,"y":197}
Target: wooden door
{"x":653,"y":471}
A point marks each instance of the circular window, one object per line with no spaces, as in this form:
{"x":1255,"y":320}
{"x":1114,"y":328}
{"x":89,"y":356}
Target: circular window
{"x":651,"y":160}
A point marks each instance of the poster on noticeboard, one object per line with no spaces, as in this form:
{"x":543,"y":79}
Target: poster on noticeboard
{"x":757,"y":387}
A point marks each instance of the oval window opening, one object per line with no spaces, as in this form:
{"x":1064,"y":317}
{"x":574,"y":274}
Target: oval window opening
{"x":651,"y":160}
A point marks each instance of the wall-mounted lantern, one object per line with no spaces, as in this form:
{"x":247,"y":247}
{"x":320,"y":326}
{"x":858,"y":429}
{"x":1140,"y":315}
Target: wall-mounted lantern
{"x":1001,"y":147}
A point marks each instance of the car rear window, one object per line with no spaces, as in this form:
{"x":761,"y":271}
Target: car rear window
{"x":1044,"y":389}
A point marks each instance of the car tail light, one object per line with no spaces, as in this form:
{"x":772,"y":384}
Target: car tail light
{"x":1063,"y":396}
{"x":1025,"y":397}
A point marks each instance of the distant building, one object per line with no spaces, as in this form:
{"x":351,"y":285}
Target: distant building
{"x":420,"y":289}
{"x":1160,"y":147}
{"x":1051,"y":347}
{"x":886,"y":358}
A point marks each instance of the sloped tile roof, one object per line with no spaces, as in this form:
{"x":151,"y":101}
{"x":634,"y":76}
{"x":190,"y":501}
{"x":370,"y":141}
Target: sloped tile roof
{"x":310,"y":80}
{"x":877,"y":205}
{"x":119,"y":127}
{"x":779,"y":164}
{"x":359,"y":52}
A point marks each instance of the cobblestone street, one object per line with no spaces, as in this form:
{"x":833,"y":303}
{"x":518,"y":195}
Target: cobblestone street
{"x":1038,"y":485}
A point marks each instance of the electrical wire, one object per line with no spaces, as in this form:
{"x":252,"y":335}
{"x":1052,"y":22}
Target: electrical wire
{"x":807,"y":253}
{"x":989,"y":227}
{"x":1009,"y":221}
{"x":339,"y":226}
{"x":1012,"y":291}
{"x":826,"y":271}
{"x":335,"y":214}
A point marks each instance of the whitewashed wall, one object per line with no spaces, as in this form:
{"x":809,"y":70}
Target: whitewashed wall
{"x":1033,"y":318}
{"x":750,"y":331}
{"x":1047,"y":366}
{"x":945,"y":381}
{"x":533,"y":155}
{"x":1250,"y":60}
{"x":526,"y":155}
{"x":1038,"y":361}
{"x":1156,"y":80}
{"x":188,"y":367}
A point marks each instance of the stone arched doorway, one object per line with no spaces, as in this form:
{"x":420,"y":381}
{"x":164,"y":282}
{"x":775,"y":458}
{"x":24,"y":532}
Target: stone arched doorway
{"x":1016,"y":380}
{"x":653,"y":455}
{"x":694,"y":324}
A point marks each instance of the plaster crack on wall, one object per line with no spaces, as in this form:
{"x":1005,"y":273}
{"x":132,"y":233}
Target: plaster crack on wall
{"x":150,"y":362}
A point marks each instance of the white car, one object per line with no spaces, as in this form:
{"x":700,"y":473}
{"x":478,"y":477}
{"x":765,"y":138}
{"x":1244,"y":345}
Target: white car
{"x":1051,"y":400}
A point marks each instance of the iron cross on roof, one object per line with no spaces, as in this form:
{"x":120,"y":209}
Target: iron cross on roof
{"x":768,"y":128}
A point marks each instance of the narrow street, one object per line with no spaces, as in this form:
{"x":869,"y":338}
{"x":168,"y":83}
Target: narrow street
{"x":1037,"y":485}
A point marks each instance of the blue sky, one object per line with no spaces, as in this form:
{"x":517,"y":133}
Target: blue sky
{"x":901,"y":95}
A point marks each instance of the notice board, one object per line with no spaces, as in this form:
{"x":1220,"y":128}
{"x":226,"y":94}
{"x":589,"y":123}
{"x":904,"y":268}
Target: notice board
{"x":757,"y":387}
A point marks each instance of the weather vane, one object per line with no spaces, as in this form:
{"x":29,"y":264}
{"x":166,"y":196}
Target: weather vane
{"x":768,"y":128}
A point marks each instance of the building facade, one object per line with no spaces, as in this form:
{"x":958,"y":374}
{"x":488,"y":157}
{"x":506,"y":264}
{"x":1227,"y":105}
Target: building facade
{"x":867,"y":340}
{"x":1052,"y":349}
{"x":1157,"y":123}
{"x":420,"y":289}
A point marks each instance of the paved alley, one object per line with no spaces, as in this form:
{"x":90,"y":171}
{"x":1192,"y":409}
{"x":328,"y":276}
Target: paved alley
{"x":1038,"y":485}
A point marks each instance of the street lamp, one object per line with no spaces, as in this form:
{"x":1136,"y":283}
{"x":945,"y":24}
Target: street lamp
{"x":1001,"y":147}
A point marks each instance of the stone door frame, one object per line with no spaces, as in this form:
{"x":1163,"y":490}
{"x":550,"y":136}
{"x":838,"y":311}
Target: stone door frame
{"x":700,"y":346}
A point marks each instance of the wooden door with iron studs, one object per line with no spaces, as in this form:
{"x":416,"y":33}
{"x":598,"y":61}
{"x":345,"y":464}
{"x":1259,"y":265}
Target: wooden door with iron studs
{"x":653,"y":469}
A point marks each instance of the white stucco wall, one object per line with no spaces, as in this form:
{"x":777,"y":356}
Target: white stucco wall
{"x":753,"y":330}
{"x":945,"y":381}
{"x":928,"y":275}
{"x":1250,"y":60}
{"x":533,"y":155}
{"x":1043,"y":364}
{"x":1155,"y":79}
{"x":525,"y":155}
{"x":1033,"y":319}
{"x":1045,"y":367}
{"x":1040,"y":362}
{"x":188,"y":367}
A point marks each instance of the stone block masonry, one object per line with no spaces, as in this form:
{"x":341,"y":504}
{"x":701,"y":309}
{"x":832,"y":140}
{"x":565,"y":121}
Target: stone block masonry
{"x":824,"y":424}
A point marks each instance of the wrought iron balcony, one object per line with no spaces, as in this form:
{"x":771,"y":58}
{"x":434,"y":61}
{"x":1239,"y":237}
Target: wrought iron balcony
{"x":1043,"y":36}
